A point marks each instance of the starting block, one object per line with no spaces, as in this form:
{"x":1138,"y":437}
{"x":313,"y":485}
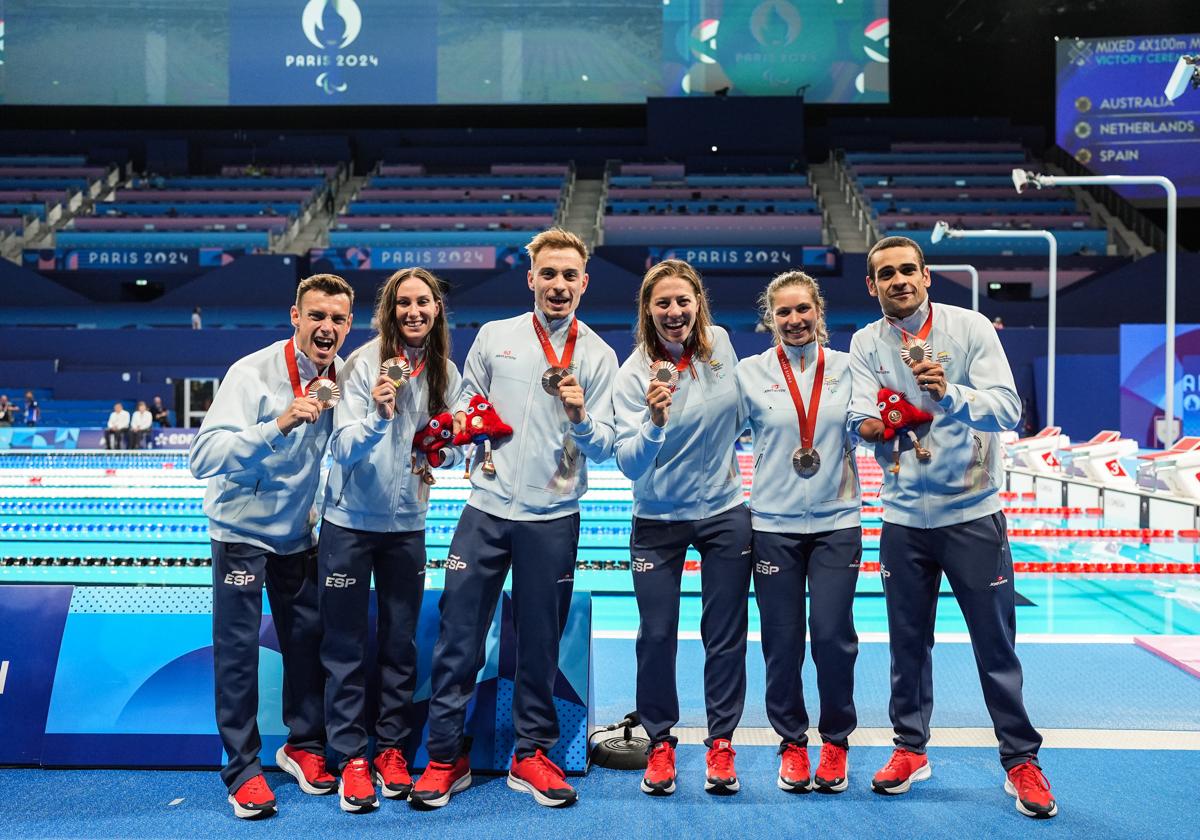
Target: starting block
{"x":1177,"y":470}
{"x":1039,"y":454}
{"x":1099,"y":459}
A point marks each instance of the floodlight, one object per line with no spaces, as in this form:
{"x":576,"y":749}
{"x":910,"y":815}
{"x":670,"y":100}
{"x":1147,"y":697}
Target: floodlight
{"x":1186,"y":70}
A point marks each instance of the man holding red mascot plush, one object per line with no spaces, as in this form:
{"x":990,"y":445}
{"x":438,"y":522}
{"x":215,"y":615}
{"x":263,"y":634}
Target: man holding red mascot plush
{"x":932,"y":388}
{"x":554,"y":374}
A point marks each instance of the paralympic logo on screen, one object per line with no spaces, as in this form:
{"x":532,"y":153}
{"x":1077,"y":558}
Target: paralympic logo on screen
{"x":323,"y":32}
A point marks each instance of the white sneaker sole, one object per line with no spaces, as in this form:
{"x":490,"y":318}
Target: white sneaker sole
{"x":522,"y":786}
{"x":791,"y":788}
{"x":1012,"y":791}
{"x":654,"y":791}
{"x":838,"y":788}
{"x":716,"y":788}
{"x":293,"y":769}
{"x":461,"y":785}
{"x":919,"y":775}
{"x":350,"y":807}
{"x":249,"y":813}
{"x":383,"y":788}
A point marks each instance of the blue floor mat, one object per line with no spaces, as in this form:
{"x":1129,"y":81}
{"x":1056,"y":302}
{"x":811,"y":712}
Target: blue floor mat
{"x":965,"y":798}
{"x":1070,"y":686}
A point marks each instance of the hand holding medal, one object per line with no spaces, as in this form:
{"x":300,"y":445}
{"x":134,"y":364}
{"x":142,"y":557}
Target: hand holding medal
{"x":918,"y":355}
{"x":321,"y":393}
{"x":384,"y":395}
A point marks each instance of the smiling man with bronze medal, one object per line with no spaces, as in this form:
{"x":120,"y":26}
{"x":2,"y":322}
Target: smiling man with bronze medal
{"x":261,"y":450}
{"x":943,"y":517}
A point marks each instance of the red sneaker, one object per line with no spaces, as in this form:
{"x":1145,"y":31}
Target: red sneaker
{"x":794,"y":772}
{"x":307,"y":768}
{"x":831,"y":770}
{"x":1028,"y":784}
{"x":902,"y":769}
{"x":439,"y":782}
{"x":391,"y":774}
{"x":721,"y":774}
{"x":355,"y":793}
{"x":253,"y":799}
{"x":541,"y":777}
{"x":659,"y":779}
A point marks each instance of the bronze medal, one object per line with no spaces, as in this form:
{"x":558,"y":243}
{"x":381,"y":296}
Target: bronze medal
{"x":914,"y":351}
{"x":325,"y":391}
{"x":806,"y":461}
{"x":551,"y":379}
{"x":398,"y":370}
{"x":664,"y":372}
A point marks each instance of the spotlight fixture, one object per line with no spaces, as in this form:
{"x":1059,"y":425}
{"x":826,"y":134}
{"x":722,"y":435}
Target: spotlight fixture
{"x":1187,"y":70}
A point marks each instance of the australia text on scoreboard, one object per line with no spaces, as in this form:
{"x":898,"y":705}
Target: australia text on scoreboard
{"x":816,"y":258}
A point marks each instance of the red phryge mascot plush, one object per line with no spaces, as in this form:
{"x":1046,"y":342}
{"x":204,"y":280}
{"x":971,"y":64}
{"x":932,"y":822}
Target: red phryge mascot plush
{"x":431,"y":442}
{"x":900,"y":416}
{"x":483,"y":426}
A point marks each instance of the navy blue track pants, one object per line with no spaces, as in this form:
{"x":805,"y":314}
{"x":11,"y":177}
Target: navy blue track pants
{"x":346,"y":560}
{"x":829,"y":562}
{"x":658,"y":548}
{"x":976,"y":560}
{"x":239,"y":573}
{"x":541,"y":555}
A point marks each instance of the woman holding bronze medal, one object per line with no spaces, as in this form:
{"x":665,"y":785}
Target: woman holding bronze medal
{"x":374,"y":522}
{"x":676,"y":407}
{"x":805,"y":506}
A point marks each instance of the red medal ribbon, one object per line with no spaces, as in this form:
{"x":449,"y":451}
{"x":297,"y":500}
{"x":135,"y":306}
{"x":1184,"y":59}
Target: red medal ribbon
{"x":684,"y":363}
{"x":548,"y":348}
{"x":923,"y":333}
{"x":808,"y":422}
{"x":415,"y":371}
{"x":289,"y":356}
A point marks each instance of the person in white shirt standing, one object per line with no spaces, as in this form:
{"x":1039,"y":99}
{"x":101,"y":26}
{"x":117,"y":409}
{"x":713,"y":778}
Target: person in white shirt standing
{"x":139,"y":426}
{"x":260,"y":447}
{"x":942,"y":512}
{"x":550,"y":376}
{"x":806,"y":506}
{"x":376,"y":500}
{"x":116,"y":432}
{"x":677,"y":412}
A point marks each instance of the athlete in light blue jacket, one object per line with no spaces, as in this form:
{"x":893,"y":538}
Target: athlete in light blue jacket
{"x":549,"y":376}
{"x":676,"y":404}
{"x":260,"y":446}
{"x":375,"y":504}
{"x":805,"y":507}
{"x":941,"y":511}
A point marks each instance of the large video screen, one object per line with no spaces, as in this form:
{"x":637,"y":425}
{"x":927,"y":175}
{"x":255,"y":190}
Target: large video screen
{"x":1113,"y":114}
{"x":338,"y":52}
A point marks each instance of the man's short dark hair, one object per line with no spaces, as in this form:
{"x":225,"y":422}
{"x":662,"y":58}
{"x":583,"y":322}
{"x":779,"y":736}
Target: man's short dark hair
{"x":894,"y":242}
{"x":330,"y":284}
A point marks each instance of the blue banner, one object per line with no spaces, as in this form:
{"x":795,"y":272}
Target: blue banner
{"x":132,"y":674}
{"x":31,"y":630}
{"x":467,"y":257}
{"x":815,"y":259}
{"x":57,"y":437}
{"x":129,"y":259}
{"x":332,"y":52}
